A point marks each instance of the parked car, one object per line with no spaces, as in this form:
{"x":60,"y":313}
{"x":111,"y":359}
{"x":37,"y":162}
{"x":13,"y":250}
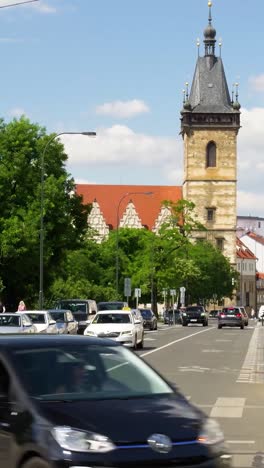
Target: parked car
{"x":195,"y":314}
{"x":122,"y":326}
{"x":149,"y":319}
{"x":123,"y":413}
{"x":65,"y":321}
{"x":231,"y":317}
{"x":42,"y":320}
{"x":16,"y":323}
{"x":82,"y":310}
{"x":111,"y":305}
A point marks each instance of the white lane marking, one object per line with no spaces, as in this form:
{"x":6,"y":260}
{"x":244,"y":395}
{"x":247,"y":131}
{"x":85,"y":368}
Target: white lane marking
{"x":249,"y":442}
{"x":175,"y":341}
{"x":150,"y":339}
{"x":228,"y":408}
{"x":212,"y":351}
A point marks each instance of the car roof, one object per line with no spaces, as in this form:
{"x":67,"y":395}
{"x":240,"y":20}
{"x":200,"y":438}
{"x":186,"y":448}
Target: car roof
{"x":12,"y":313}
{"x":114,"y":311}
{"x":59,"y":310}
{"x":42,"y":341}
{"x":24,"y":312}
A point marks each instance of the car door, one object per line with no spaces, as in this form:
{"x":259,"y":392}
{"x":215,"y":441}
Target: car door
{"x":52,"y":327}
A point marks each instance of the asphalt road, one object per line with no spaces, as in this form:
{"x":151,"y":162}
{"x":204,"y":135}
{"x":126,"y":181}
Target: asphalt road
{"x":222,"y":372}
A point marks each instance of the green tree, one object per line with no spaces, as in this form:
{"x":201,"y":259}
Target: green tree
{"x":65,"y":217}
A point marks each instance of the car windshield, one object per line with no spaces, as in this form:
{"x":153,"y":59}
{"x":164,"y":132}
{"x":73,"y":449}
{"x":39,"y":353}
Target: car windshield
{"x":37,"y":318}
{"x":110,"y":306}
{"x":194,"y":309}
{"x":77,"y":306}
{"x":9,"y":321}
{"x":57,"y":316}
{"x":231,"y":311}
{"x":86,"y":372}
{"x":112,"y":318}
{"x":146,"y":313}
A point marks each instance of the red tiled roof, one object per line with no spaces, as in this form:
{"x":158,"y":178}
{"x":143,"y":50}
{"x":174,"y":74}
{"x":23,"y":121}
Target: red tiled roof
{"x":243,"y":251}
{"x":260,"y":275}
{"x":147,"y":207}
{"x":256,"y":237}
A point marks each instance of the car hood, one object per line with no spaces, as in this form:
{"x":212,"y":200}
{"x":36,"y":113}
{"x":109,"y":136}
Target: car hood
{"x":10,"y":330}
{"x":41,"y":326}
{"x":110,"y":327}
{"x":170,"y":415}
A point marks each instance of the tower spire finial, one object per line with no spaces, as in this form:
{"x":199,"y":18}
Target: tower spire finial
{"x":209,"y":34}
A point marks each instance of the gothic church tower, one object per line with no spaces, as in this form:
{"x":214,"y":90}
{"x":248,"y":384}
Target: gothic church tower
{"x":209,"y":124}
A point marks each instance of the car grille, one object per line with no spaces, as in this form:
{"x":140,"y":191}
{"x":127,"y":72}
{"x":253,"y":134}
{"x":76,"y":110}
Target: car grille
{"x":108,"y":335}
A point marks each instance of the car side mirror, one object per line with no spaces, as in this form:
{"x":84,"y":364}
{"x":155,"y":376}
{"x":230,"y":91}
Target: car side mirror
{"x":52,"y":322}
{"x":88,"y":321}
{"x":137,"y":321}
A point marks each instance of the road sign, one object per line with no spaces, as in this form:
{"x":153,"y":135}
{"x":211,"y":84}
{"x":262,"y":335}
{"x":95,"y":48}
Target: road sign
{"x":137,"y":292}
{"x":173,"y":292}
{"x":127,"y":287}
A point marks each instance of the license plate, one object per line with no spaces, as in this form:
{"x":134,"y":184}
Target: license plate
{"x":230,"y":315}
{"x":193,"y":320}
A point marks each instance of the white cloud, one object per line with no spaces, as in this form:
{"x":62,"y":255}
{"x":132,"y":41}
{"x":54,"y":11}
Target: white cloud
{"x":257,"y":83}
{"x":16,"y":112}
{"x":9,"y":40}
{"x":120,"y":145}
{"x":123,"y":109}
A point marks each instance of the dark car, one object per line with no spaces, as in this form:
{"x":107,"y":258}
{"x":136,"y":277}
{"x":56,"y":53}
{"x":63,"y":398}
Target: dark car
{"x":82,"y":310}
{"x":100,"y":406}
{"x":231,"y":317}
{"x":149,"y":319}
{"x":214,"y":313}
{"x":111,"y":305}
{"x":65,"y":321}
{"x":195,"y":314}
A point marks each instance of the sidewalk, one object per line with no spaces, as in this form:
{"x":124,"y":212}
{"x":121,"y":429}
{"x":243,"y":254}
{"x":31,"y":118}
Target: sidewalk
{"x":252,"y":370}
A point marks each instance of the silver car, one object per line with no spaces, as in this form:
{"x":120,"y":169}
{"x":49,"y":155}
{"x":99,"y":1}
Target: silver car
{"x":16,"y":323}
{"x":42,"y":320}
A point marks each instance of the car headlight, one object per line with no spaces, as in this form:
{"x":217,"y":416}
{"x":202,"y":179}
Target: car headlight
{"x":79,"y":441}
{"x":210,"y":433}
{"x":202,"y":314}
{"x":89,"y":333}
{"x":184,"y":314}
{"x":128,"y":332}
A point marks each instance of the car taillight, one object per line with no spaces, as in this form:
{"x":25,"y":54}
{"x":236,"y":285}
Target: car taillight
{"x":238,"y":315}
{"x":222,"y":315}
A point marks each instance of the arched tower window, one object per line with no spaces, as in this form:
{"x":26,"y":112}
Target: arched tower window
{"x":211,"y":154}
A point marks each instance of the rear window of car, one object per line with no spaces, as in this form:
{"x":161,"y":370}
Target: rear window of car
{"x":231,"y":311}
{"x":146,"y":313}
{"x":110,"y":306}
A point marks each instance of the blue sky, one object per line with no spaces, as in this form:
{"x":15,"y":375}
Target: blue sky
{"x":119,"y":67}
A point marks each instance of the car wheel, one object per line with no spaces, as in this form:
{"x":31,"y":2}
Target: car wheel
{"x":184,"y":324}
{"x":141,"y":344}
{"x":135,"y":344}
{"x":36,"y":462}
{"x":156,"y":326}
{"x":219,"y":326}
{"x":242,"y":326}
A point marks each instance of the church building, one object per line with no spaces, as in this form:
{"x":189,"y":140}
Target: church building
{"x":210,"y":121}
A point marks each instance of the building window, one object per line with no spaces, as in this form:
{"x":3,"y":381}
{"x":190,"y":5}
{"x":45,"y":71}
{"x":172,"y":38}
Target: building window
{"x":220,"y":244}
{"x":210,"y":214}
{"x":211,"y":154}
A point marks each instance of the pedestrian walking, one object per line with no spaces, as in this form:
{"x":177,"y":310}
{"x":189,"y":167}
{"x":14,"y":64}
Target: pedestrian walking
{"x":21,"y":306}
{"x":252,"y":313}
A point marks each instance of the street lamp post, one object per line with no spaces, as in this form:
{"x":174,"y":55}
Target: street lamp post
{"x":42,"y":183}
{"x":117,"y":232}
{"x":18,"y":3}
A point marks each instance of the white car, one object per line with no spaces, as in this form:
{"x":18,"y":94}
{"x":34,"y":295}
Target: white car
{"x":119,"y":325}
{"x":42,"y":320}
{"x":16,"y":323}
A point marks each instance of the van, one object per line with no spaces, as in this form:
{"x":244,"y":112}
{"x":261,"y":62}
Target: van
{"x":82,"y":309}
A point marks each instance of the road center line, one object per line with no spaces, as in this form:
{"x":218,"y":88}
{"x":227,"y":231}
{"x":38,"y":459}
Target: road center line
{"x":175,"y":341}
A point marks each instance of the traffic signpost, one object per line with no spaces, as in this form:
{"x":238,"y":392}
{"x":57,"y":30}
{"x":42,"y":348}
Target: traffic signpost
{"x":137,"y":295}
{"x":127,"y":288}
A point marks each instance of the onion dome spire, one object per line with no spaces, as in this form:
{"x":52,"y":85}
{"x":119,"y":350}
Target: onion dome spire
{"x":209,"y":34}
